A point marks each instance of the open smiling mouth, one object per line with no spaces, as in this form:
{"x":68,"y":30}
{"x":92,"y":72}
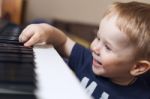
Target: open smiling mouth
{"x":96,"y":63}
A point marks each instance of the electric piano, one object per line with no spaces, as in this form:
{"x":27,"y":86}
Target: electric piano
{"x":34,"y":73}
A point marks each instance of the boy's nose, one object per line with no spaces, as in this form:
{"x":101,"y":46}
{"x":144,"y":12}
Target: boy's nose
{"x":96,"y":49}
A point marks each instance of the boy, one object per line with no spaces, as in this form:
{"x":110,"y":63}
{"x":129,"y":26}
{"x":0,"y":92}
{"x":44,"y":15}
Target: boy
{"x":119,"y":55}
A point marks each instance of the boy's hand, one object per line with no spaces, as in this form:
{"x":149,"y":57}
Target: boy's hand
{"x":35,"y":33}
{"x":39,"y":33}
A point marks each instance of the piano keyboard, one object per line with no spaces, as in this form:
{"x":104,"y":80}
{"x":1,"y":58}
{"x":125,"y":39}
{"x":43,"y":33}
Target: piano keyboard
{"x":17,"y":76}
{"x":54,"y":79}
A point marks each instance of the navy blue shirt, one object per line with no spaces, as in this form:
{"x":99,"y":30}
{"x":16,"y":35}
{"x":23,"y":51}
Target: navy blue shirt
{"x":99,"y":87}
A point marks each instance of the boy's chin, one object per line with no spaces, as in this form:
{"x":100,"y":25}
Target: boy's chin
{"x":96,"y":71}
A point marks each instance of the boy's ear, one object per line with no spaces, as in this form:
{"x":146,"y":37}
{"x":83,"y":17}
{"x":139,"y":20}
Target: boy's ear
{"x":140,"y":67}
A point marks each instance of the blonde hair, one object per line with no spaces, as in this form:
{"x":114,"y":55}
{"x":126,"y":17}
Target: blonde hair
{"x":133,"y":18}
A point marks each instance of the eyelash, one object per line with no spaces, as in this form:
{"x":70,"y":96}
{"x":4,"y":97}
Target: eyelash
{"x":107,"y":47}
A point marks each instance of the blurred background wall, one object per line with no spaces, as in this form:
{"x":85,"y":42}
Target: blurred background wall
{"x":79,"y":19}
{"x":84,"y":11}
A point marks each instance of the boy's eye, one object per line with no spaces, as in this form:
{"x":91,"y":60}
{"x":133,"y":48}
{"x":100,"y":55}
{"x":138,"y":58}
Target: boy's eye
{"x":107,"y":47}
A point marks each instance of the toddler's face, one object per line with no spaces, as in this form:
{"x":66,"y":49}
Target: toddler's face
{"x":112,"y":51}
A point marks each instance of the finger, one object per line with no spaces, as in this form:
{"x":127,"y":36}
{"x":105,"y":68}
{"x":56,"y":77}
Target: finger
{"x":32,"y":41}
{"x":25,"y":35}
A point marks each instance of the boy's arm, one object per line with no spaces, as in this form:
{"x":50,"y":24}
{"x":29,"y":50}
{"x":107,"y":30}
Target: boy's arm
{"x":38,"y":33}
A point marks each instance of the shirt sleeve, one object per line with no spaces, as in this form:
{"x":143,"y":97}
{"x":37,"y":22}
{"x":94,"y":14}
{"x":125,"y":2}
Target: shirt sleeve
{"x":79,"y":56}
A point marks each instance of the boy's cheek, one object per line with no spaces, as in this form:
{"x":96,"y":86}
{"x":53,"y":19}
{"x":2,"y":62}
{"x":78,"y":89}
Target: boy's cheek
{"x":109,"y":60}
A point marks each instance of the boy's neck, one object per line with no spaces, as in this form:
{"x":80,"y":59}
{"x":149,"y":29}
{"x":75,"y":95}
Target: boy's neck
{"x":124,"y":82}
